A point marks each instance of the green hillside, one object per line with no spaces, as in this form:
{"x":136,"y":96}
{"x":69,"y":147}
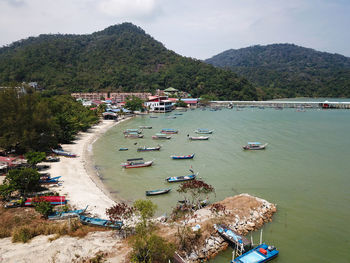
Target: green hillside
{"x":120,"y":58}
{"x":286,"y":70}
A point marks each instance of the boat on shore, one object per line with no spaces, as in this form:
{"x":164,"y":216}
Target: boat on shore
{"x":176,"y":179}
{"x":64,"y":153}
{"x":136,"y":163}
{"x":145,"y":127}
{"x":54,"y":200}
{"x":198,"y":138}
{"x":180,"y":157}
{"x":100,"y":222}
{"x":148,"y":149}
{"x":161,"y":136}
{"x":49,"y":180}
{"x":52,"y":159}
{"x":59,"y":215}
{"x":133,"y":135}
{"x":260,"y":254}
{"x":254,"y":146}
{"x":231,"y":236}
{"x":169,"y":131}
{"x":204,"y":131}
{"x":158,"y":192}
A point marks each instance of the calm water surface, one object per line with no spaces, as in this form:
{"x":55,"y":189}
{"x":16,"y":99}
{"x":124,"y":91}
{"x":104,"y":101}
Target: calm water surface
{"x":304,"y":170}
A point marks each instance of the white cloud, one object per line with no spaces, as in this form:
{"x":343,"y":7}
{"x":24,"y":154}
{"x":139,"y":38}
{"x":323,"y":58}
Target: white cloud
{"x":138,"y":9}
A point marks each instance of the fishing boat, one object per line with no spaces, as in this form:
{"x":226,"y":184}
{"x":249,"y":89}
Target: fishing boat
{"x":255,"y":146}
{"x":145,"y":127}
{"x":136,"y":163}
{"x":148,"y":149}
{"x":198,"y":138}
{"x":153,"y":117}
{"x":133,"y":135}
{"x":52,"y":159}
{"x":49,"y":180}
{"x":231,"y":236}
{"x":169,"y":131}
{"x":161,"y":136}
{"x":123,"y":149}
{"x":158,"y":192}
{"x":63,"y":153}
{"x":59,"y":215}
{"x":171,"y":117}
{"x":54,"y":200}
{"x":100,"y":222}
{"x":179,"y":157}
{"x":176,"y":179}
{"x":260,"y":254}
{"x":178,"y":114}
{"x":132,"y":131}
{"x":204,"y":131}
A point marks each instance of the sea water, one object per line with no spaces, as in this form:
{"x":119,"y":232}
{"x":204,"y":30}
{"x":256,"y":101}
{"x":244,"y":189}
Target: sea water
{"x":304,"y":171}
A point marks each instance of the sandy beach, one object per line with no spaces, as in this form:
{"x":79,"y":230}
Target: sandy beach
{"x":79,"y":180}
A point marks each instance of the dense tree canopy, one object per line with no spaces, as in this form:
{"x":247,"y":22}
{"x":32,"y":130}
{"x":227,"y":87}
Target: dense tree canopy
{"x":285,"y":70}
{"x":119,"y":58}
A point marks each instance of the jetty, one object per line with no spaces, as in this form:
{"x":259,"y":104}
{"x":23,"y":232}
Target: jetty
{"x":284,"y":104}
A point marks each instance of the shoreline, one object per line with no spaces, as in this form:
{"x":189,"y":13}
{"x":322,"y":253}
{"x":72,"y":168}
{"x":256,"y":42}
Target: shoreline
{"x":80,"y":182}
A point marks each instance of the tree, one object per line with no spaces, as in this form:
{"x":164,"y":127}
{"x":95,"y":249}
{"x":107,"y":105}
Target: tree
{"x":180,"y":103}
{"x":33,"y":158}
{"x":45,"y":208}
{"x":121,"y":212}
{"x":134,"y":104}
{"x":22,"y":180}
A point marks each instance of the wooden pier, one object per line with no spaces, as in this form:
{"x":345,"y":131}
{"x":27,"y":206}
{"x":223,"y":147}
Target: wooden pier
{"x":284,"y":104}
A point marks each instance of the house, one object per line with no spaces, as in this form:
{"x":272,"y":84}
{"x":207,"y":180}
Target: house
{"x":191,"y":102}
{"x":159,"y":104}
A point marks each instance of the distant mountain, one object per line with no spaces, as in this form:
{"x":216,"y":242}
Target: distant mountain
{"x":121,"y":57}
{"x":287,"y":70}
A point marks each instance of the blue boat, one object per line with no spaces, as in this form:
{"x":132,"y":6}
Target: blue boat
{"x":63,"y":153}
{"x":232,"y":236}
{"x":53,"y":180}
{"x":260,"y":254}
{"x":64,"y":215}
{"x":123,"y":149}
{"x":100,"y":222}
{"x":179,"y":157}
{"x":181,"y":178}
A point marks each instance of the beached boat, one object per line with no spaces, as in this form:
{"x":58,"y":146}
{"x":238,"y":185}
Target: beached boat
{"x":176,"y":179}
{"x":59,"y":215}
{"x":179,"y":157}
{"x":231,"y":236}
{"x":52,"y":159}
{"x":169,"y":131}
{"x":136,"y":163}
{"x":63,"y":153}
{"x":255,"y":146}
{"x":161,"y":136}
{"x":202,"y":203}
{"x":123,"y":149}
{"x":133,"y":135}
{"x":100,"y":222}
{"x":148,"y":149}
{"x":198,"y":138}
{"x":145,"y":127}
{"x":132,"y":131}
{"x":204,"y":131}
{"x":158,"y":192}
{"x":49,"y":180}
{"x":260,"y":254}
{"x":54,"y":200}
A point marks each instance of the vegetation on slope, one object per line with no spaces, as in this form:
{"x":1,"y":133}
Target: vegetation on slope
{"x":121,"y":57}
{"x":286,"y":70}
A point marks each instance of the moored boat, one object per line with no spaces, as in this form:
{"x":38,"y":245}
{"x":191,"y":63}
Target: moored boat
{"x":132,"y":131}
{"x":254,"y":146}
{"x":198,"y":138}
{"x":153,"y":117}
{"x":158,"y":192}
{"x":100,"y":222}
{"x":133,"y":135}
{"x":169,"y":131}
{"x":232,"y":236}
{"x":260,"y":254}
{"x":161,"y":136}
{"x":145,"y":127}
{"x":63,"y":153}
{"x":171,"y":117}
{"x":176,"y":179}
{"x":204,"y":131}
{"x":136,"y":163}
{"x":148,"y":149}
{"x":123,"y":149}
{"x":179,"y":157}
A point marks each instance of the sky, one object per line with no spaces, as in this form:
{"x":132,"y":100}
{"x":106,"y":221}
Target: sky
{"x":192,"y":28}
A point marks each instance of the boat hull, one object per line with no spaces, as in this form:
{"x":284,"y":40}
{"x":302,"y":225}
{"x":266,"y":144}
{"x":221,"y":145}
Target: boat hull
{"x":158,"y":192}
{"x":182,"y":157}
{"x":202,"y":138}
{"x":146,"y":164}
{"x":177,"y":179}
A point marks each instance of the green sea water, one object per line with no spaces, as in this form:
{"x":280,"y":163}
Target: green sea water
{"x":304,"y":170}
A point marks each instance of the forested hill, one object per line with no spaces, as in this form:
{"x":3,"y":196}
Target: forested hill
{"x":121,"y":57}
{"x":286,"y":70}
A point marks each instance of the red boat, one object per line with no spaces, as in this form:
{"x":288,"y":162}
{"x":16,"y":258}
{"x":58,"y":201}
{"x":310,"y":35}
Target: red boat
{"x":54,"y":200}
{"x":136,"y":163}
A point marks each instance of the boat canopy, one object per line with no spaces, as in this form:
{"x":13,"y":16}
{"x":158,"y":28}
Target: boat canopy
{"x":168,"y":129}
{"x":161,"y":134}
{"x":134,"y":159}
{"x":257,"y":143}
